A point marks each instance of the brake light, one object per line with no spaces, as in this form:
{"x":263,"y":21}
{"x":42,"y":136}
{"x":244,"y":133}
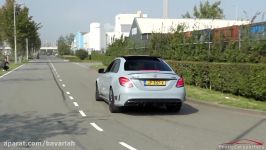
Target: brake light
{"x":125,"y":82}
{"x":180,"y":82}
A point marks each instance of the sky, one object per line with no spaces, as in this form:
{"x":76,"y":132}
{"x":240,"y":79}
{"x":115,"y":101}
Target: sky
{"x":61,"y":17}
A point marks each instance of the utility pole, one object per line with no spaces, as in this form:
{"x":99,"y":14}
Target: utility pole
{"x":27,"y":48}
{"x":236,"y":12}
{"x":239,"y":39}
{"x":15,"y":34}
{"x":209,"y":49}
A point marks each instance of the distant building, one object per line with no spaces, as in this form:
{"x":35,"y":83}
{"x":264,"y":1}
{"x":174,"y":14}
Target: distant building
{"x":122,"y":27}
{"x":95,"y":37}
{"x":142,"y":28}
{"x":90,"y":41}
{"x":78,"y":41}
{"x":86,"y":41}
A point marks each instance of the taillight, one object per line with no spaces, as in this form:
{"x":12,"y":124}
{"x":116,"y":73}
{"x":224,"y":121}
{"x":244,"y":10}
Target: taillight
{"x":125,"y":82}
{"x":180,"y":82}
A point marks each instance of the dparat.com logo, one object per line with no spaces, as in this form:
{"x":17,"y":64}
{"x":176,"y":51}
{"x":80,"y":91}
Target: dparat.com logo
{"x":242,"y":144}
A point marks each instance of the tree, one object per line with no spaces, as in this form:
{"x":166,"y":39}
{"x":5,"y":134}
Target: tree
{"x":1,"y":28}
{"x":118,"y":47}
{"x":81,"y":54}
{"x":25,"y":25}
{"x":64,"y":44}
{"x":206,"y":10}
{"x":69,"y":38}
{"x":63,"y":48}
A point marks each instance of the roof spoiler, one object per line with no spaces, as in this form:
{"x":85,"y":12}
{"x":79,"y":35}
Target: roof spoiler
{"x":126,"y":56}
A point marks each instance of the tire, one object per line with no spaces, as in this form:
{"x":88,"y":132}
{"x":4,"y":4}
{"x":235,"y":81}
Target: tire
{"x":174,"y":108}
{"x":97,"y":97}
{"x":112,"y":107}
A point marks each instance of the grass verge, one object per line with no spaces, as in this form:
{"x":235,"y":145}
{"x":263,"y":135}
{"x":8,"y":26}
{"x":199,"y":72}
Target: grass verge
{"x":215,"y":97}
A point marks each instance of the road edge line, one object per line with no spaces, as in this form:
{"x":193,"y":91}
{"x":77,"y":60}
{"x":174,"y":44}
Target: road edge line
{"x":11,"y":71}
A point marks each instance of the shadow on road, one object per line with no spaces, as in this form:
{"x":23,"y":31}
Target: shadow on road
{"x":35,"y":128}
{"x":16,"y":80}
{"x":148,"y":111}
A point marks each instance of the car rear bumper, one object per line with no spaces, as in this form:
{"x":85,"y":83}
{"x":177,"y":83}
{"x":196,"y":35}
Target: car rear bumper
{"x":137,"y":97}
{"x":159,"y":102}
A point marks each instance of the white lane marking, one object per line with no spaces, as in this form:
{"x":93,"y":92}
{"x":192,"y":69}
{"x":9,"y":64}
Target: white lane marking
{"x":96,"y":127}
{"x":11,"y":71}
{"x":54,"y":69}
{"x":58,"y":76}
{"x":70,"y":97}
{"x":63,"y":85}
{"x":68,"y":93}
{"x":76,"y":104}
{"x":127,"y":146}
{"x":82,"y":113}
{"x":53,"y":66}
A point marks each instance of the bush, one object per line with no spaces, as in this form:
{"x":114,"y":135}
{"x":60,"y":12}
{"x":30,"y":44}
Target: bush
{"x":105,"y":59}
{"x":81,"y":54}
{"x":240,"y":79}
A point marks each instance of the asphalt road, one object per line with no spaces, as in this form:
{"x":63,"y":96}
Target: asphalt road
{"x":52,"y":101}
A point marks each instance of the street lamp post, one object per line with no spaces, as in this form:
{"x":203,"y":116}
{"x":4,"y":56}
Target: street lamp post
{"x":15,"y":33}
{"x":27,"y":49}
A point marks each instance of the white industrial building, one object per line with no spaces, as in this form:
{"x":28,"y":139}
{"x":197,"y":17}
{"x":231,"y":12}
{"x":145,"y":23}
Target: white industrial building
{"x":95,"y":37}
{"x":90,"y":41}
{"x":156,"y":25}
{"x":123,"y":23}
{"x":142,"y":28}
{"x":86,"y":40}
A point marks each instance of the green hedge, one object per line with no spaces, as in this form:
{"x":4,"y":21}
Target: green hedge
{"x":81,"y":54}
{"x":247,"y":80}
{"x":105,"y":59}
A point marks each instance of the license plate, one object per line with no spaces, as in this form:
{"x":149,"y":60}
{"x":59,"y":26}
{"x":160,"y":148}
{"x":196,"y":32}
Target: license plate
{"x":154,"y":83}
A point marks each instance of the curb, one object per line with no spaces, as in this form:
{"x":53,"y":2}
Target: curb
{"x":231,"y":108}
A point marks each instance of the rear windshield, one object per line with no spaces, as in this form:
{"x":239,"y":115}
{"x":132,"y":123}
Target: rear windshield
{"x":142,"y":64}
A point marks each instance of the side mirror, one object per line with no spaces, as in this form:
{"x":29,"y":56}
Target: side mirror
{"x":101,"y":70}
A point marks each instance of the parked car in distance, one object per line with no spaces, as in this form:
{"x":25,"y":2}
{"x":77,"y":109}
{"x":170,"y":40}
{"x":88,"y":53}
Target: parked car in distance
{"x":140,"y":81}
